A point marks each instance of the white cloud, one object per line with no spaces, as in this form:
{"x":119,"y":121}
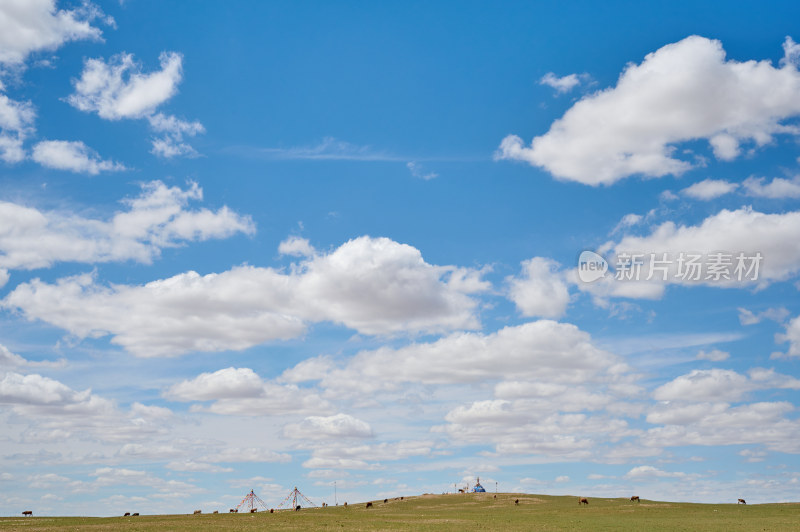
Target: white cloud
{"x":171,"y":143}
{"x":373,"y":285}
{"x":744,"y":231}
{"x":540,"y":290}
{"x":709,"y":189}
{"x":721,"y":385}
{"x":328,"y":427}
{"x":12,"y":360}
{"x":119,"y":88}
{"x":777,"y":314}
{"x":710,"y":424}
{"x":155,"y":219}
{"x":296,"y":247}
{"x":791,"y":53}
{"x":55,"y":412}
{"x":229,"y":383}
{"x":681,"y":92}
{"x":28,"y":26}
{"x":417,"y":171}
{"x":792,"y":336}
{"x":646,"y":472}
{"x":629,"y":220}
{"x":365,"y":456}
{"x":562,"y":84}
{"x":715,"y":355}
{"x":74,"y":156}
{"x":704,"y":385}
{"x":240,"y":392}
{"x":16,"y":123}
{"x":778,"y":188}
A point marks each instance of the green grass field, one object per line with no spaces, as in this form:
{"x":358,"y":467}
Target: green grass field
{"x":456,"y":512}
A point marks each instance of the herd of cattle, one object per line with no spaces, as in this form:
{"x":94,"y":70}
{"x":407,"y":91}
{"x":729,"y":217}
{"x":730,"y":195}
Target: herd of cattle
{"x":582,"y":501}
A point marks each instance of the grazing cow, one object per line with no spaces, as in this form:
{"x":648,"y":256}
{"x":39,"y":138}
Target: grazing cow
{"x":461,"y":490}
{"x":127,"y":514}
{"x":369,"y":505}
{"x":635,"y":498}
{"x":495,"y":496}
{"x":583,"y":500}
{"x":135,"y":514}
{"x":27,"y":512}
{"x":231,"y":511}
{"x":385,"y":501}
{"x":216,"y":511}
{"x":253,"y":510}
{"x":516,"y":501}
{"x":741,"y":501}
{"x":345,"y":504}
{"x":198,"y":512}
{"x":272,"y":510}
{"x":401,"y":498}
{"x":298,"y":508}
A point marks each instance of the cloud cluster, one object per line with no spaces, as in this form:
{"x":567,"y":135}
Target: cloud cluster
{"x":743,"y":231}
{"x":16,"y":123}
{"x":119,"y":89}
{"x":239,"y":391}
{"x":541,"y":290}
{"x":73,"y":156}
{"x":683,"y":91}
{"x":28,"y":26}
{"x":372,"y":285}
{"x":159,"y":217}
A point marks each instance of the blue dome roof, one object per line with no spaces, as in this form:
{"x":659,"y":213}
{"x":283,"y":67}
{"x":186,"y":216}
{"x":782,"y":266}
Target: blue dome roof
{"x":479,"y":489}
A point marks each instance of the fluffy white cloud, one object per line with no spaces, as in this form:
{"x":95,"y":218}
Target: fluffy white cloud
{"x":561,"y":84}
{"x":704,"y":385}
{"x":240,"y":392}
{"x":296,"y":247}
{"x":721,"y":385}
{"x":155,"y":219}
{"x":366,"y":457}
{"x":229,"y":383}
{"x":372,"y":285}
{"x":541,"y":290}
{"x":709,"y":189}
{"x":16,"y":123}
{"x":56,"y":412}
{"x":683,"y":91}
{"x":538,"y":351}
{"x":778,"y":188}
{"x":328,"y":427}
{"x":28,"y":26}
{"x":709,"y":424}
{"x":792,"y":336}
{"x":173,"y":129}
{"x":742,"y":232}
{"x":12,"y":360}
{"x":74,"y":156}
{"x":119,"y":89}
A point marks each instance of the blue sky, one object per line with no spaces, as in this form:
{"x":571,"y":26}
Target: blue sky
{"x":264,"y":245}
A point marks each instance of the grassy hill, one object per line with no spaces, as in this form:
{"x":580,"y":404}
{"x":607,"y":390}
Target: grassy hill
{"x":474,"y":511}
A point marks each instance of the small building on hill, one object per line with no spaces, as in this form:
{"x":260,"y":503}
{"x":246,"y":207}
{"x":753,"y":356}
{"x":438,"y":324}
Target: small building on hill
{"x":478,"y":488}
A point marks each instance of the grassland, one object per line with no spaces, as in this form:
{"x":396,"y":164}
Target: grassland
{"x":455,"y":512}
